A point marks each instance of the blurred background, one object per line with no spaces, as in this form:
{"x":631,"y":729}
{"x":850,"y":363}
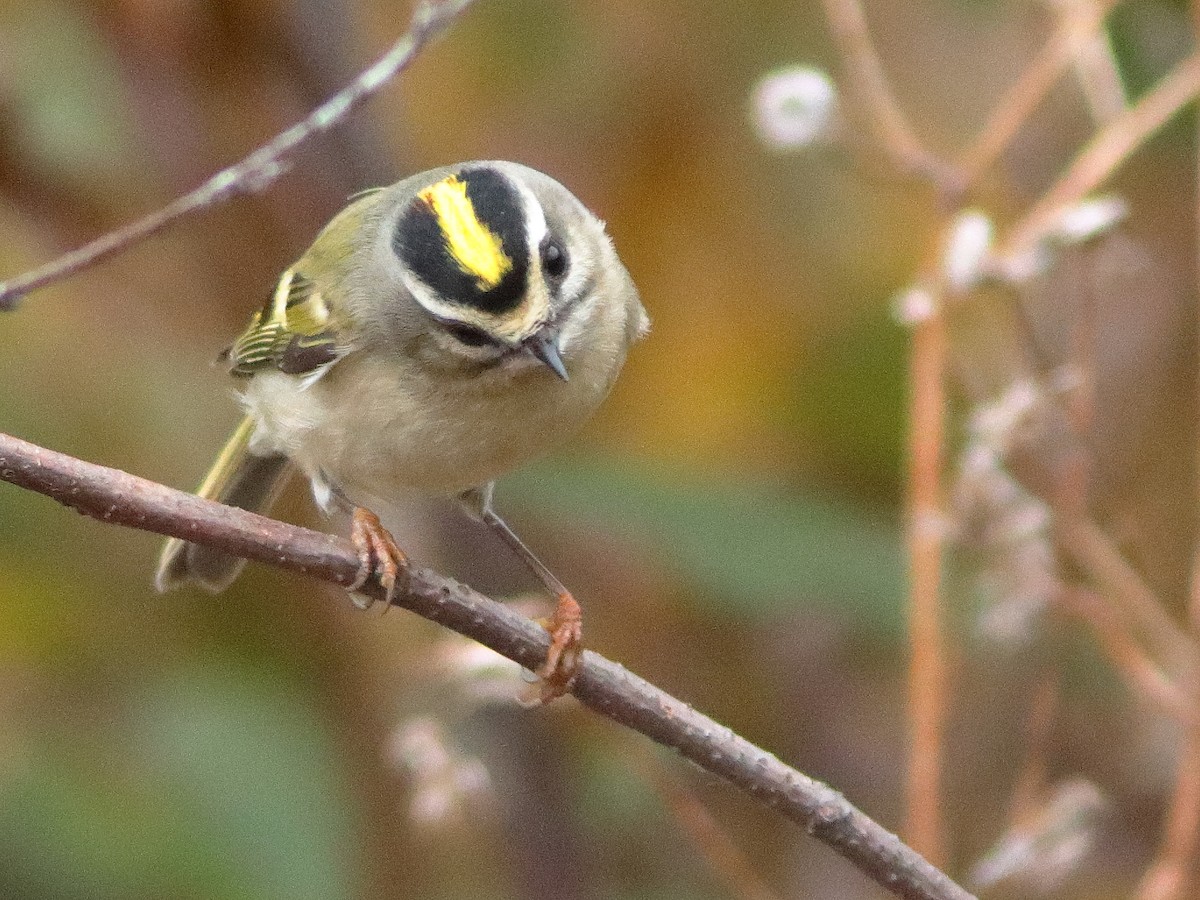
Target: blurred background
{"x":731,"y":520}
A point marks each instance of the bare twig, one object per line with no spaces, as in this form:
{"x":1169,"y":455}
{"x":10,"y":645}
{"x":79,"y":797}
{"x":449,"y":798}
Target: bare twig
{"x":926,"y":696}
{"x":925,"y":530}
{"x":1127,"y":656}
{"x":1171,"y":875}
{"x":865,"y":72}
{"x":609,"y":689}
{"x":1030,"y":786}
{"x":1014,"y":109}
{"x":1095,"y":64}
{"x":926,"y":685}
{"x":1104,"y":153}
{"x":256,"y":171}
{"x":1088,"y":547}
{"x":728,"y":863}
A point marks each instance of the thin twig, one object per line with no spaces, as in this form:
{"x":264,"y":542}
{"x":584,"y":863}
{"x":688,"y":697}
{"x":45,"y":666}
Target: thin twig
{"x":1140,"y":672}
{"x":1095,"y":64}
{"x":728,"y":863}
{"x":1030,"y":787}
{"x":865,"y":72}
{"x":259,"y":169}
{"x":1018,"y":104}
{"x":1104,"y":153}
{"x":926,"y":685}
{"x":603,"y":686}
{"x":1090,"y":549}
{"x":925,"y":530}
{"x":1172,"y":873}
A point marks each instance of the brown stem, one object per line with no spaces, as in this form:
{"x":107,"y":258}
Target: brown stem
{"x":1104,"y":153}
{"x":1030,"y":787}
{"x":603,"y":686}
{"x":1095,"y":63}
{"x":1143,"y":675}
{"x":1172,"y":874}
{"x":256,"y":171}
{"x":726,"y":860}
{"x":1036,"y":80}
{"x":865,"y":72}
{"x":927,"y":671}
{"x":1138,"y":607}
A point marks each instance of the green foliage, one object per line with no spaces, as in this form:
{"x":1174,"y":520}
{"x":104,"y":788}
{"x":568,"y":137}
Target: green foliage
{"x":755,"y":549}
{"x":70,"y":105}
{"x":225,"y":789}
{"x":852,"y":392}
{"x":1148,"y":39}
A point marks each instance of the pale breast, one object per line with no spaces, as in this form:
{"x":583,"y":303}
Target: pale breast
{"x":381,"y":430}
{"x":381,"y":427}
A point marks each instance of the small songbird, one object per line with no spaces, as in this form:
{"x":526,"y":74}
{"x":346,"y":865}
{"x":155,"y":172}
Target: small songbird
{"x":437,"y":334}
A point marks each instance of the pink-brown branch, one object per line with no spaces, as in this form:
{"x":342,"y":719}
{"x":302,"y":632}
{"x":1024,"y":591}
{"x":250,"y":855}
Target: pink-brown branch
{"x":603,"y":686}
{"x":259,"y":169}
{"x":926,"y":526}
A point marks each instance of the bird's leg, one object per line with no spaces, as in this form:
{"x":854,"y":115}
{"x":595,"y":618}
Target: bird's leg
{"x":378,"y":555}
{"x":566,"y":623}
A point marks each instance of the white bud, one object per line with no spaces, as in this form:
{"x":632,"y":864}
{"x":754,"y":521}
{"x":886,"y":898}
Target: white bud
{"x":1089,"y":219}
{"x":1039,"y":853}
{"x":968,"y":245}
{"x":419,"y":746}
{"x":794,"y":107}
{"x":914,"y":305}
{"x":1025,"y":265}
{"x":447,"y":784}
{"x":1000,"y":424}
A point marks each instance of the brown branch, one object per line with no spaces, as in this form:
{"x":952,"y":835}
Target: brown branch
{"x":925,"y":529}
{"x":605,"y":687}
{"x":865,"y":72}
{"x":1018,"y":104}
{"x":1140,"y":609}
{"x":726,"y":860}
{"x":1171,"y":875}
{"x":1116,"y":640}
{"x":1030,"y":786}
{"x":259,"y":169}
{"x":1095,"y":64}
{"x":1104,"y":153}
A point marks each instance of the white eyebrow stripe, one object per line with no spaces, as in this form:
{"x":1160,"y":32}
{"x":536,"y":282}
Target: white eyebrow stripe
{"x":535,"y":218}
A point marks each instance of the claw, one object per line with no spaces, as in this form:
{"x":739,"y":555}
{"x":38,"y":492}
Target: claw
{"x":378,"y":557}
{"x":558,"y":672}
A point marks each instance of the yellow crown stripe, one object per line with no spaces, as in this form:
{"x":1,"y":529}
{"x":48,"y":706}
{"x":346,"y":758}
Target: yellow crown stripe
{"x":475,"y":248}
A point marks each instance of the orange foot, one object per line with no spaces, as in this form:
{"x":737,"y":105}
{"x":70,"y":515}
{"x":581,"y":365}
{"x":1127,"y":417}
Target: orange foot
{"x":566,"y":647}
{"x":378,"y":556}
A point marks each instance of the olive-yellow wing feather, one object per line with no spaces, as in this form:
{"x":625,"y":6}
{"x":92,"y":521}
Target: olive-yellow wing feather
{"x":238,"y":478}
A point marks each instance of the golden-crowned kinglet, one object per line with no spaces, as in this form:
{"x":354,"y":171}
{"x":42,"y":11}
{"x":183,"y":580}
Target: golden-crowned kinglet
{"x":437,"y":334}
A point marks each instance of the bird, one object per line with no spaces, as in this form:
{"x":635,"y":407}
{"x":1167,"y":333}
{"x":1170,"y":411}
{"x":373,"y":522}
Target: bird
{"x":437,"y":334}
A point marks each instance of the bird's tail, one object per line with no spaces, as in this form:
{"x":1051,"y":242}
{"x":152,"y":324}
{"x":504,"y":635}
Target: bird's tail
{"x":238,"y":478}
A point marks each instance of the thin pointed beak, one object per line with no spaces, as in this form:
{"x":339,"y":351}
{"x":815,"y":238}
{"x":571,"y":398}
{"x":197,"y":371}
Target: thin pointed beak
{"x":544,"y":345}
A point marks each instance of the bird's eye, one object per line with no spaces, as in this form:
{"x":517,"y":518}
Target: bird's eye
{"x":554,"y":258}
{"x":469,"y":334}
